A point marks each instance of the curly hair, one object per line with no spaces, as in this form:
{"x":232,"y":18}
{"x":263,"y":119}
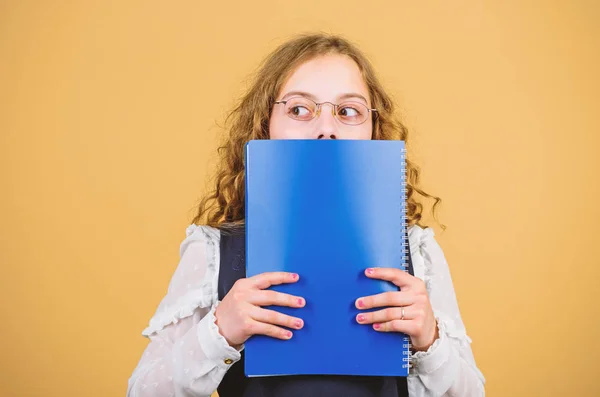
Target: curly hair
{"x":249,"y":120}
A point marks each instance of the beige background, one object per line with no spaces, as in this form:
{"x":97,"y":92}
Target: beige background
{"x":108,"y":113}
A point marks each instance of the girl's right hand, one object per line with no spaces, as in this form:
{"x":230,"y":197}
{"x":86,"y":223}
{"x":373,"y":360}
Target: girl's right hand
{"x":240,"y":315}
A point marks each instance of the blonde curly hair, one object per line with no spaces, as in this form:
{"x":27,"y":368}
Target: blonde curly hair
{"x":224,"y":205}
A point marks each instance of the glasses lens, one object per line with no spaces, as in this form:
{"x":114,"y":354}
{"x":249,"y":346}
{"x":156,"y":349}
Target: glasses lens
{"x":302,"y":109}
{"x":353,"y":113}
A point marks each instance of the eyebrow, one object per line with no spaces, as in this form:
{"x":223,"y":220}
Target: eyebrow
{"x":311,"y":96}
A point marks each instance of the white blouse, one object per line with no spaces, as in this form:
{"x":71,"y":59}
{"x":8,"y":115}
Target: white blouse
{"x":187,"y":356}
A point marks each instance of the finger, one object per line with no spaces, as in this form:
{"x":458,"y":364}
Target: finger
{"x":254,"y":327}
{"x":404,"y":326}
{"x":265,"y":280}
{"x":274,"y":317}
{"x":397,"y":276}
{"x":385,"y":315}
{"x":390,"y":298}
{"x":269,"y":297}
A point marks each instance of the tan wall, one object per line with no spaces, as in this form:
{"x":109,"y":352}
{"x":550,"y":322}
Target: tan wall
{"x":107,"y":130}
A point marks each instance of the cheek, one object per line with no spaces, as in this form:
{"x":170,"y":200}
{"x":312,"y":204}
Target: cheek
{"x":281,"y":129}
{"x":360,"y":133}
{"x":368,"y":133}
{"x":273,"y":128}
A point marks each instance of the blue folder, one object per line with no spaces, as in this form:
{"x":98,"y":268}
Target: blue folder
{"x":326,"y":210}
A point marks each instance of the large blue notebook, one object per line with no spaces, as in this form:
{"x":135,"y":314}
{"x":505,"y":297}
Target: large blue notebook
{"x":326,"y":210}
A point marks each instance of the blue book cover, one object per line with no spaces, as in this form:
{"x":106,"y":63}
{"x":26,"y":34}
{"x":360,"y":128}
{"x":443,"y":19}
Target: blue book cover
{"x":326,"y":210}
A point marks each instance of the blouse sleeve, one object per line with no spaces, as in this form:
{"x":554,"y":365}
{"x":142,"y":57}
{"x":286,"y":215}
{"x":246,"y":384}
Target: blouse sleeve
{"x":448,"y":368}
{"x":186,"y":355}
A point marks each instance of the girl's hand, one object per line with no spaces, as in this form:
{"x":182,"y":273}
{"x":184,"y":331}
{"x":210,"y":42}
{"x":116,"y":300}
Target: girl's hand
{"x":240,"y":316}
{"x":408,"y":311}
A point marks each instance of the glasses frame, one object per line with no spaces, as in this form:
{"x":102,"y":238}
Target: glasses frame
{"x":334,"y":106}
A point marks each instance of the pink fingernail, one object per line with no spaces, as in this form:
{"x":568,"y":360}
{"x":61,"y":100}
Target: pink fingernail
{"x":361,"y":318}
{"x":360,"y":303}
{"x":288,"y":334}
{"x":370,"y":271}
{"x":294,"y":275}
{"x":300,"y":301}
{"x":298,"y":323}
{"x":376,"y":326}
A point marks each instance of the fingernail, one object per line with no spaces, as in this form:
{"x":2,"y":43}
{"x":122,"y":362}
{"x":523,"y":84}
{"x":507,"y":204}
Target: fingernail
{"x":288,"y":334}
{"x":301,"y":301}
{"x":361,"y":318}
{"x":298,"y":323}
{"x":376,"y":326}
{"x":360,"y":303}
{"x":370,"y":271}
{"x":294,"y":276}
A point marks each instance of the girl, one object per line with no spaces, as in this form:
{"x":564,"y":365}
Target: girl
{"x":312,"y":87}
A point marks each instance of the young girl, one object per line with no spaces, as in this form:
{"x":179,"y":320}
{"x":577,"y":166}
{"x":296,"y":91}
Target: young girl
{"x":312,"y":87}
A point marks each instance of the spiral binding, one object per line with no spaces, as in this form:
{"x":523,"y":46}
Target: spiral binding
{"x":406,"y":353}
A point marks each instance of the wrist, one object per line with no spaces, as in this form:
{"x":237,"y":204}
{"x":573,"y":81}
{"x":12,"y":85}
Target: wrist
{"x":229,"y":342}
{"x":423,"y":347}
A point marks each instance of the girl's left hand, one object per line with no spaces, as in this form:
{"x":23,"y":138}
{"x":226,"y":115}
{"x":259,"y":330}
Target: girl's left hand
{"x":408,"y":311}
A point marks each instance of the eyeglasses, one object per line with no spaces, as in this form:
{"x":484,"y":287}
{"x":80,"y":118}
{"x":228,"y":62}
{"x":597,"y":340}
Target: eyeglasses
{"x":304,"y":109}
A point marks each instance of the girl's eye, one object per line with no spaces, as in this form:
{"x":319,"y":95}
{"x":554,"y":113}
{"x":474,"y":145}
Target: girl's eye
{"x":349,"y":111}
{"x":299,"y":111}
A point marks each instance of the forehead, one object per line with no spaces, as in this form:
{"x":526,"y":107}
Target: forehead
{"x":327,"y":78}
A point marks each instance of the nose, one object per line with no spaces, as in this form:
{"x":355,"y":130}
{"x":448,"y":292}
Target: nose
{"x":326,"y":126}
